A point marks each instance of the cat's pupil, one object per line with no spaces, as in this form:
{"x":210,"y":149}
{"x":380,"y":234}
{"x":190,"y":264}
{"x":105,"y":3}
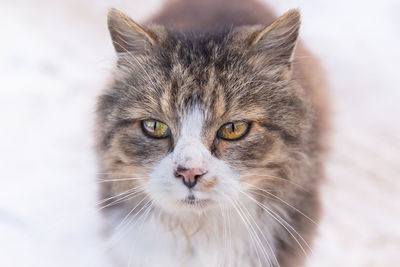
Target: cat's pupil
{"x":155,"y":125}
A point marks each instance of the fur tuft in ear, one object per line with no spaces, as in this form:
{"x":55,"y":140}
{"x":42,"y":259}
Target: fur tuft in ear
{"x":278,"y":39}
{"x":126,"y":35}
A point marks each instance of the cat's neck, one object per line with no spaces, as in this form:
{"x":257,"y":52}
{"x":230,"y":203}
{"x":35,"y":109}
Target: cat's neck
{"x":222,"y":234}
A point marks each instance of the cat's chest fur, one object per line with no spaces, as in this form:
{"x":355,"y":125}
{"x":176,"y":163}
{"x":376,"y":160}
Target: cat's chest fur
{"x":222,"y":240}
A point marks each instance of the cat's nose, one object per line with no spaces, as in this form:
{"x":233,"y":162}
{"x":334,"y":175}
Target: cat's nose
{"x":189,"y":176}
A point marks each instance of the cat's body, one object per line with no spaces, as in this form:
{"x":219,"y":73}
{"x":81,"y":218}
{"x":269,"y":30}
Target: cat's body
{"x":248,"y":201}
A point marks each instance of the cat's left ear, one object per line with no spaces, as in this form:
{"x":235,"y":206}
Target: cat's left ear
{"x":127,"y":35}
{"x":278,"y":40}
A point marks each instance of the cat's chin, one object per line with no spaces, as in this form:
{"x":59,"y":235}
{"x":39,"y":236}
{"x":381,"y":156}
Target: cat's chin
{"x":196,"y":203}
{"x":198,"y":206}
{"x":188,"y":205}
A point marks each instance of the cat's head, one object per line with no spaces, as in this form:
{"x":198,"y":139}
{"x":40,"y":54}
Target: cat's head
{"x":192,"y":120}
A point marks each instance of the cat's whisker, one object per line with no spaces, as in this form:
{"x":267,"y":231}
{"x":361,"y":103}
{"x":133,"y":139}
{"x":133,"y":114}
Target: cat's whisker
{"x":274,"y":197}
{"x":255,"y":175}
{"x":124,"y":225}
{"x":222,"y":260}
{"x":284,"y":202}
{"x":229,"y":233}
{"x":227,"y":248}
{"x":123,"y":199}
{"x":145,"y":216}
{"x":117,"y":173}
{"x":293,"y":229}
{"x":119,"y":194}
{"x":252,"y":239}
{"x":282,"y":222}
{"x":118,"y":180}
{"x":224,"y":238}
{"x":256,"y":239}
{"x":130,"y":212}
{"x":243,"y":207}
{"x":120,"y":232}
{"x":253,"y":234}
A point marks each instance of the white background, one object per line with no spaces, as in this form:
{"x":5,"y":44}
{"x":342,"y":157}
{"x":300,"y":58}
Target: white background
{"x":54,"y":59}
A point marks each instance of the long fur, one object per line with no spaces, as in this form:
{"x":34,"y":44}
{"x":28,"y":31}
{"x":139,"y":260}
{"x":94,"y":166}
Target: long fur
{"x":195,"y":67}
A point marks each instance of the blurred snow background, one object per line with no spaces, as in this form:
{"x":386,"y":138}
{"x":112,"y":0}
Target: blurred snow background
{"x":54,"y":59}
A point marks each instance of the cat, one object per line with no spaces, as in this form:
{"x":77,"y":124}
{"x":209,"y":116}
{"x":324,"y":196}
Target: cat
{"x":210,"y":138}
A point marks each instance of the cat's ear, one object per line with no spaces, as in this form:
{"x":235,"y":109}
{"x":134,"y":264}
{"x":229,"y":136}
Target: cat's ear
{"x":128,"y":36}
{"x":278,"y":40}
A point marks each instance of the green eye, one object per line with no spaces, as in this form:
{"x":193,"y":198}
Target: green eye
{"x":155,"y":128}
{"x":233,"y":130}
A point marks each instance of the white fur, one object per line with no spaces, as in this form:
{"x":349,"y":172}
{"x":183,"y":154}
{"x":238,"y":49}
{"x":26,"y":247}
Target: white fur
{"x":189,"y":150}
{"x":151,"y":242}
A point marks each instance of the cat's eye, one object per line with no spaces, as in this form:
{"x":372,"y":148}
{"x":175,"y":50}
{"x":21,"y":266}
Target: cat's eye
{"x":155,"y":129}
{"x":233,"y":130}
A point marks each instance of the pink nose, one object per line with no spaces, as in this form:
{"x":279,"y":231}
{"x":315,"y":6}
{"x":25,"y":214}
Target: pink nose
{"x":189,"y":176}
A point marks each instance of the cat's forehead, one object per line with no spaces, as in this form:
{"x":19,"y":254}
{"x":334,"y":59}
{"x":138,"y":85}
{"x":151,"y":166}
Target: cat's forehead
{"x":204,"y":73}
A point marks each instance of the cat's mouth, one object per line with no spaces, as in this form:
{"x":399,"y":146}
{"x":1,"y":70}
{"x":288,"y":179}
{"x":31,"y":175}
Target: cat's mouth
{"x":193,"y":201}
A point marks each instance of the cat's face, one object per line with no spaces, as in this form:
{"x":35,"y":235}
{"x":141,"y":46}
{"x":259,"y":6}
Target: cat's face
{"x":193,"y":121}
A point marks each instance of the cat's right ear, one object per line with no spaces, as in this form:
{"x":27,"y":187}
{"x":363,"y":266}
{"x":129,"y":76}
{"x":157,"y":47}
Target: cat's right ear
{"x":127,"y":35}
{"x":274,"y":45}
